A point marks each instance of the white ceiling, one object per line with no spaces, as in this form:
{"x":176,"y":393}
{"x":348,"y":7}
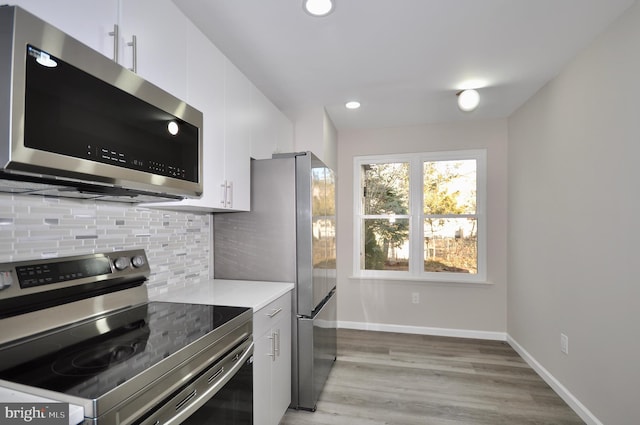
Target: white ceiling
{"x":404,"y":60}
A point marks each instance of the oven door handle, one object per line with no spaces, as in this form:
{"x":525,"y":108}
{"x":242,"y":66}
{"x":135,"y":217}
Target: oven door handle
{"x":177,"y":409}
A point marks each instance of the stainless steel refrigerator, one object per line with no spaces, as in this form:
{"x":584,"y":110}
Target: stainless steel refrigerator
{"x":290,"y":235}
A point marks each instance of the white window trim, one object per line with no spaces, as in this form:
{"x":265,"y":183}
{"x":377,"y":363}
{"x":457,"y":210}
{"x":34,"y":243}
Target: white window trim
{"x":416,"y":272}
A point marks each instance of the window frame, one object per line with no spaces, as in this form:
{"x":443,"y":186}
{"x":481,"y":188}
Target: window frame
{"x":416,"y":216}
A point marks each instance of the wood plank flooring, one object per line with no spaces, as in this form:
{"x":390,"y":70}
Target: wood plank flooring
{"x":399,"y":379}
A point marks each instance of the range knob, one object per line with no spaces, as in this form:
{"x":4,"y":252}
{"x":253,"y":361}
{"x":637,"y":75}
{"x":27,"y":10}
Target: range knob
{"x":121,"y":263}
{"x":138,"y":261}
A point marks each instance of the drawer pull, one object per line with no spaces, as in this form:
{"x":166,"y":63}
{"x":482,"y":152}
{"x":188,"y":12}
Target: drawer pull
{"x":274,"y":312}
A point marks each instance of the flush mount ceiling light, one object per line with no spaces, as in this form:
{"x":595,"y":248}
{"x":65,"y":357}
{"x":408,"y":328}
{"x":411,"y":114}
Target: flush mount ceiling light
{"x":354,"y":104}
{"x":468,"y":100}
{"x":318,"y":7}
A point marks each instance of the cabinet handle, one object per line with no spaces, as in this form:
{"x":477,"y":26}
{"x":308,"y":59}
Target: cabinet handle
{"x":229,"y":194}
{"x":116,"y":35}
{"x":223,"y":193}
{"x":276,"y":338}
{"x":274,"y":312}
{"x":134,"y":52}
{"x":272,"y":354}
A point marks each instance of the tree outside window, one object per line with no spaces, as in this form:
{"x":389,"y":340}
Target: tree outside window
{"x":385,"y":203}
{"x":419,"y":215}
{"x":450,"y":224}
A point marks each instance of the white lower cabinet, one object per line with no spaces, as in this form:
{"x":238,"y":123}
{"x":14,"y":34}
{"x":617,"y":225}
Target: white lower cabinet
{"x":272,"y":361}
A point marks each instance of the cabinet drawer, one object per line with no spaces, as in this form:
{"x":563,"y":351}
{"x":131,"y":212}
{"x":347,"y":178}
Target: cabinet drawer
{"x":264,"y":318}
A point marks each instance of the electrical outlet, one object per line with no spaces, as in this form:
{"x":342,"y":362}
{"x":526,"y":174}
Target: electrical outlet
{"x":564,"y":343}
{"x":415,"y":298}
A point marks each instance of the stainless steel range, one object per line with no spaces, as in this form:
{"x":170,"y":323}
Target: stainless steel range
{"x":82,"y":330}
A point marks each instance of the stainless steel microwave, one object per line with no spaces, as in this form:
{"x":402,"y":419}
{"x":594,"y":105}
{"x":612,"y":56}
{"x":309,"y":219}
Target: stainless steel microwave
{"x":73,"y":123}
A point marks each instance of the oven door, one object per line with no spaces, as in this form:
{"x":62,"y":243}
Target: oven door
{"x":233,"y":404}
{"x":221,"y":394}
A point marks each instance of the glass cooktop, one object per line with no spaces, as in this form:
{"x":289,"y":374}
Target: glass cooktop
{"x":94,"y":357}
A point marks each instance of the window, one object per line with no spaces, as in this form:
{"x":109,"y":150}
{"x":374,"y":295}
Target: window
{"x":421,"y":216}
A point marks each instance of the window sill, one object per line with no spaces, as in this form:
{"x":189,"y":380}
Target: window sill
{"x":422,"y":280}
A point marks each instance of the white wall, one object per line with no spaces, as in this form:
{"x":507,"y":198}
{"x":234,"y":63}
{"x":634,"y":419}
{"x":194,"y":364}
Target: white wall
{"x":448,"y":308}
{"x":314,"y":131}
{"x":574,"y":235}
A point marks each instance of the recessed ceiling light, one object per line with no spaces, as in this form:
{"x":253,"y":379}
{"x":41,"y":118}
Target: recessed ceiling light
{"x":352,"y":105}
{"x":318,"y":7}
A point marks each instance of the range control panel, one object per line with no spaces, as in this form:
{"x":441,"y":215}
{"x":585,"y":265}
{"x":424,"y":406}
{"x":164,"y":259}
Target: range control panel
{"x":23,"y":277}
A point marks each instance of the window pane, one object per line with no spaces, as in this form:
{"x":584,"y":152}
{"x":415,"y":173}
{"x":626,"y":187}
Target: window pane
{"x":450,"y":187}
{"x":451,"y":245}
{"x":385,"y":188}
{"x":386,"y":244}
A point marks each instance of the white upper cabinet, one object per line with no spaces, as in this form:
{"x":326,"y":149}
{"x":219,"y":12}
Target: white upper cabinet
{"x":237,"y":143}
{"x":272,"y":131}
{"x":224,"y":96}
{"x":151,"y":33}
{"x":153,"y":37}
{"x":206,"y":92}
{"x":89,"y":21}
{"x":239,"y":123}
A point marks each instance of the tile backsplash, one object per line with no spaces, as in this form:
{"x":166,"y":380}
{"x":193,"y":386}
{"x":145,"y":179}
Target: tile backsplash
{"x":178,"y":244}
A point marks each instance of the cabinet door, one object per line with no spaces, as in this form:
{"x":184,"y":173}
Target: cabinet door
{"x":237,"y":144}
{"x":281,"y":370}
{"x":272,"y":361}
{"x":89,"y":21}
{"x":160,"y":29}
{"x":272,"y":131}
{"x":205,"y":91}
{"x":262,"y":360}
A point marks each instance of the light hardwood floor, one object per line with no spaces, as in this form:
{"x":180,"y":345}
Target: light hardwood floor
{"x":399,"y":379}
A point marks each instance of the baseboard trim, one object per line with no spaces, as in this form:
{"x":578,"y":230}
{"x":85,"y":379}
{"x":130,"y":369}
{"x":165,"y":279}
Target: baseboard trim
{"x":560,"y":389}
{"x":421,"y":330}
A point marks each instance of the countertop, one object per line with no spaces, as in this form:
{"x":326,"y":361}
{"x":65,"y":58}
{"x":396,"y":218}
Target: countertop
{"x":236,"y":293}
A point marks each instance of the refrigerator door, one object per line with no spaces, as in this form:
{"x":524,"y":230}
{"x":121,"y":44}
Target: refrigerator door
{"x":316,"y":232}
{"x":317,"y":351}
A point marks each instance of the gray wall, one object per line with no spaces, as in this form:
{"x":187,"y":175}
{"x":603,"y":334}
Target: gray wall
{"x":574,"y":235}
{"x":445,"y":308}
